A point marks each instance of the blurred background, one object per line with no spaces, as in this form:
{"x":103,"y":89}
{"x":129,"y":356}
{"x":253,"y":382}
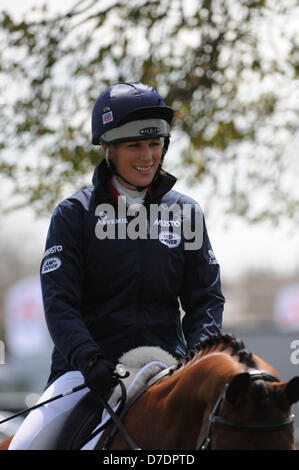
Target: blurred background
{"x":230,"y":70}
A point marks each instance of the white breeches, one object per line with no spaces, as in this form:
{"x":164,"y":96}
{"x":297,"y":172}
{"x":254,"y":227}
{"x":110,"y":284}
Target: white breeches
{"x":40,"y":428}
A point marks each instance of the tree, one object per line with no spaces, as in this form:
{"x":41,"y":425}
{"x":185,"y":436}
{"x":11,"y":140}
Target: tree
{"x":228,"y":68}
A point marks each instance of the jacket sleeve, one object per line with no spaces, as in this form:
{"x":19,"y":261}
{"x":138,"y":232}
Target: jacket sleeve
{"x":62,"y":281}
{"x":201,"y":296}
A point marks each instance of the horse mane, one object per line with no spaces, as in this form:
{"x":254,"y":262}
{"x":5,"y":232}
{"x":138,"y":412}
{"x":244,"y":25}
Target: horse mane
{"x":228,"y":343}
{"x":223,"y":342}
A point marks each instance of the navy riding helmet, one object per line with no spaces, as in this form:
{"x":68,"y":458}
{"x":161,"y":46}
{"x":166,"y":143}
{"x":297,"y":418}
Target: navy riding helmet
{"x":130,"y":111}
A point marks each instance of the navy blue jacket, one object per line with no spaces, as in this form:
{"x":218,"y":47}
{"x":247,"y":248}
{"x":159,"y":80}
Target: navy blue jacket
{"x":111,"y":295}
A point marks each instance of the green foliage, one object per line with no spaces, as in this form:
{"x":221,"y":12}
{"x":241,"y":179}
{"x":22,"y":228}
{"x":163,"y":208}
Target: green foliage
{"x":205,"y":58}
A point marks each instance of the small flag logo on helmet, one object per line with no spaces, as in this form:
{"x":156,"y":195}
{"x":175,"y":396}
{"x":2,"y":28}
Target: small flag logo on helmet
{"x":107,"y":117}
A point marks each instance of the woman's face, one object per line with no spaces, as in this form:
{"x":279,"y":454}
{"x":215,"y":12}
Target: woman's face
{"x":137,"y":161}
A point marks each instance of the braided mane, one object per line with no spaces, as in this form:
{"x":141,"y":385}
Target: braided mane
{"x":228,"y":341}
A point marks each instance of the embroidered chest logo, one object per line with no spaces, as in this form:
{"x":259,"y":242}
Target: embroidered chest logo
{"x":170,"y":239}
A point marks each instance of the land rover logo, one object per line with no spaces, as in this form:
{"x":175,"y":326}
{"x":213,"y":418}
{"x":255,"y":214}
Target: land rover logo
{"x":149,"y":131}
{"x":170,"y":239}
{"x":51,"y":264}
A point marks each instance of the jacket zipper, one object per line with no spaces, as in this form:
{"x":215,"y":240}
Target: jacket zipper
{"x":140,"y":292}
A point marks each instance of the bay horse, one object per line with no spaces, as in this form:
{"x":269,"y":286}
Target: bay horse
{"x":220,"y":396}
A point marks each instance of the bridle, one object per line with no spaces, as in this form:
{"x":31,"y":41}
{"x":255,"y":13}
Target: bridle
{"x":204,"y":442}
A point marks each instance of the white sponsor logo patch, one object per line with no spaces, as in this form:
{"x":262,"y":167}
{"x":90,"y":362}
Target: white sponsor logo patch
{"x":51,"y":264}
{"x":172,"y":240}
{"x":212,"y":258}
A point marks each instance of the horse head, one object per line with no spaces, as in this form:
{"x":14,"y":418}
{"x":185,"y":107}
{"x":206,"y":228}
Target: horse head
{"x":255,"y":413}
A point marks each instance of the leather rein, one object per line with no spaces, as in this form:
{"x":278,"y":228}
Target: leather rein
{"x":117,"y":416}
{"x":204,"y":442}
{"x":123,"y":431}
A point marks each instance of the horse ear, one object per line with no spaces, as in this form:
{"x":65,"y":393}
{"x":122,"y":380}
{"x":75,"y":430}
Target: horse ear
{"x":237,"y":387}
{"x":292,"y":390}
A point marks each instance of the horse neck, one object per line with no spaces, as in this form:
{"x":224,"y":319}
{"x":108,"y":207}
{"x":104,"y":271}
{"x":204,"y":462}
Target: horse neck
{"x":194,"y":388}
{"x":203,"y":377}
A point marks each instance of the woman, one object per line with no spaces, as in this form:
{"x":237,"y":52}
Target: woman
{"x":119,"y":257}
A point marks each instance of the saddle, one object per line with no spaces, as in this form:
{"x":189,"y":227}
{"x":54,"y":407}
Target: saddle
{"x":143,"y":363}
{"x":86,"y":415}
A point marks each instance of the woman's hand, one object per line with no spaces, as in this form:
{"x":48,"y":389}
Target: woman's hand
{"x":99,"y":376}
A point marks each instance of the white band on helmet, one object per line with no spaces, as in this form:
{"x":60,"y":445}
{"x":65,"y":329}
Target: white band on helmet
{"x":137,"y":130}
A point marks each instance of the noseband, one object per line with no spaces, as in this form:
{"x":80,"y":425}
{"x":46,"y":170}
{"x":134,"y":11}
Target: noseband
{"x":249,"y":426}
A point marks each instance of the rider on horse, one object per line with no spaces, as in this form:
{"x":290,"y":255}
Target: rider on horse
{"x":120,"y":256}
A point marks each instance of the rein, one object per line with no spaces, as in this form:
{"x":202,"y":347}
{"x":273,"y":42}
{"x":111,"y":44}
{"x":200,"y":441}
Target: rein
{"x":249,"y":426}
{"x":124,"y":432}
{"x":117,"y":421}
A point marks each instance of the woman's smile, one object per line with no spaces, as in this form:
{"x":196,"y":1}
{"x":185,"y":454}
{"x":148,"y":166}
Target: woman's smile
{"x":139,"y":168}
